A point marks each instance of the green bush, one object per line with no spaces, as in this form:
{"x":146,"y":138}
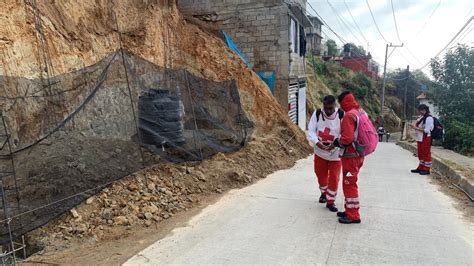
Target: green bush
{"x":332,"y":85}
{"x":459,"y":136}
{"x":345,"y":71}
{"x":362,"y":80}
{"x":319,"y":66}
{"x":360,"y":92}
{"x":453,"y":94}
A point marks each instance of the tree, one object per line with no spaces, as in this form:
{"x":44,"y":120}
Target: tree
{"x":454,"y":96}
{"x":333,"y":50}
{"x":396,"y":82}
{"x":355,"y":50}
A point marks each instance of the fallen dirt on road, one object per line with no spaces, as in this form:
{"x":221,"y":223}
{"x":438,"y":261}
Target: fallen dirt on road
{"x":461,"y":201}
{"x":142,"y":208}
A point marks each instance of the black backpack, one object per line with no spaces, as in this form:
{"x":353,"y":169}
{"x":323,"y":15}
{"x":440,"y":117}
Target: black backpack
{"x":339,"y":112}
{"x":438,"y":129}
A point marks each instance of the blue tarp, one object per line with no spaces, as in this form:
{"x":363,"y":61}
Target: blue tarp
{"x":267,"y":76}
{"x":234,"y":47}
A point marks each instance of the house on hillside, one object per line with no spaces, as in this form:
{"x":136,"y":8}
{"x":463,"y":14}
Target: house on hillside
{"x":314,"y":38}
{"x":359,"y":63}
{"x":272,"y":36}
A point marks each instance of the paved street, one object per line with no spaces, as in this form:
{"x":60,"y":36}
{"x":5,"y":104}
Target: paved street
{"x":405,"y":219}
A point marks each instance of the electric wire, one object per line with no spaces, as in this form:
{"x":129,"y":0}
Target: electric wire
{"x":343,"y":22}
{"x":449,"y":43}
{"x":325,"y":23}
{"x":375,"y":22}
{"x":426,"y":22}
{"x":395,"y":21}
{"x":357,"y":25}
{"x":465,"y":35}
{"x":413,"y":55}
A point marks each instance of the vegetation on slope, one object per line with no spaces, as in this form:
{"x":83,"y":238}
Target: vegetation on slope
{"x":453,"y":93}
{"x":326,"y":78}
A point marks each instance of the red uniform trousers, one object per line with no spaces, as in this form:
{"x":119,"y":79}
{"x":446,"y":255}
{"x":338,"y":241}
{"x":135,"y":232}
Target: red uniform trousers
{"x":350,"y":172}
{"x":328,"y":173}
{"x":424,"y":153}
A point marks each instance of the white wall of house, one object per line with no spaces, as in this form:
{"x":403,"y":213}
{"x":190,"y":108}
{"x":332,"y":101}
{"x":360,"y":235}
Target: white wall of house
{"x":433,"y":108}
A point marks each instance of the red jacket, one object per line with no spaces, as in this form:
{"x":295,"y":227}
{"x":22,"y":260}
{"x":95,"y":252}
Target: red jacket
{"x":348,"y":126}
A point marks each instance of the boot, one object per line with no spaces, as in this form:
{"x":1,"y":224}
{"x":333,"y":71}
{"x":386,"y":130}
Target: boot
{"x":323,"y":199}
{"x":415,"y":170}
{"x":424,"y":172}
{"x":346,"y":220}
{"x":341,"y":214}
{"x":332,"y":207}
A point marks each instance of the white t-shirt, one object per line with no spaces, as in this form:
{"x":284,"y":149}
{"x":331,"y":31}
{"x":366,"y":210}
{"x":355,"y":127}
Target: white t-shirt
{"x":327,"y":129}
{"x":427,"y":127}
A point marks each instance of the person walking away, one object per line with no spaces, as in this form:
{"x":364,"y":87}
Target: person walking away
{"x":380,"y":132}
{"x":325,"y":126}
{"x":358,"y":139}
{"x":387,"y":136}
{"x":423,"y":127}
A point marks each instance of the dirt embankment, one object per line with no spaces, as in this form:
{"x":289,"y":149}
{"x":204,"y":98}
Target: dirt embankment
{"x":143,"y":203}
{"x":81,"y":33}
{"x":67,"y":36}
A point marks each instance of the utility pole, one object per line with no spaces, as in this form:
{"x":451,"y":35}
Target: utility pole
{"x":405,"y":103}
{"x":405,"y":95}
{"x":385,"y":77}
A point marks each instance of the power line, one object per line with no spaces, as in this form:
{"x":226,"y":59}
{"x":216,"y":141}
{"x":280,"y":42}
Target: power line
{"x":393,"y":50}
{"x":413,"y":55}
{"x":395,"y":20}
{"x":452,"y":39}
{"x":327,"y":25}
{"x":338,"y":21}
{"x":403,"y":56}
{"x":342,"y":20}
{"x":468,"y":32}
{"x":426,"y":22}
{"x":463,"y":35}
{"x":358,"y":28}
{"x":375,"y":22}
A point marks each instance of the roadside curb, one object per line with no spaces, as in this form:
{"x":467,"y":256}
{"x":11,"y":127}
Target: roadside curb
{"x":443,"y":168}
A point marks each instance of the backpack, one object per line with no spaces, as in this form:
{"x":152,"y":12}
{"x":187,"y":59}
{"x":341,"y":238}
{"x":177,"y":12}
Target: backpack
{"x":365,"y":136}
{"x":438,"y":129}
{"x":339,"y":112}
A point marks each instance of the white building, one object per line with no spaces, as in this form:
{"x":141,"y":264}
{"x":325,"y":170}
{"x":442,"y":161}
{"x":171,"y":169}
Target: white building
{"x":423,"y":99}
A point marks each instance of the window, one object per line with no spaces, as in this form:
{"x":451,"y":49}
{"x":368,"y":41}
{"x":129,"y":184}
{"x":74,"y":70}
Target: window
{"x":293,"y":35}
{"x":302,"y":42}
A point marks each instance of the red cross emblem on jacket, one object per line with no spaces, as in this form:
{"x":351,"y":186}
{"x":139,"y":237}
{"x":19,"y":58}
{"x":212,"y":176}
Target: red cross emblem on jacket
{"x":326,"y":135}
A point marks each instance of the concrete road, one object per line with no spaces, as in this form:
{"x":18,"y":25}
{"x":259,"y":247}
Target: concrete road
{"x":405,"y":220}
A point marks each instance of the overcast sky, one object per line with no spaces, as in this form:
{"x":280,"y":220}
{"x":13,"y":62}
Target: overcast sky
{"x":423,"y":36}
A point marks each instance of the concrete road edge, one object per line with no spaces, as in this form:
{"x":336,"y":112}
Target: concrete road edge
{"x":445,"y":169}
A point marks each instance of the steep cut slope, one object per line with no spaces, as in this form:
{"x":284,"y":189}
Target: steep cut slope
{"x":54,"y":53}
{"x":66,"y":36}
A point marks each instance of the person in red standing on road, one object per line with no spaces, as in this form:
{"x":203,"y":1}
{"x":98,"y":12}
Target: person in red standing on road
{"x":351,"y":160}
{"x":423,"y":127}
{"x":324,"y":126}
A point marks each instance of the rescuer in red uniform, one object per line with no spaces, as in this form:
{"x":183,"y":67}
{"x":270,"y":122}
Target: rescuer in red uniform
{"x":351,"y":160}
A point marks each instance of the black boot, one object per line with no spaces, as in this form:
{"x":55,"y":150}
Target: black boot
{"x":323,"y":199}
{"x":423,"y":172}
{"x":346,"y":220}
{"x":415,"y":170}
{"x":332,"y":207}
{"x":341,"y":214}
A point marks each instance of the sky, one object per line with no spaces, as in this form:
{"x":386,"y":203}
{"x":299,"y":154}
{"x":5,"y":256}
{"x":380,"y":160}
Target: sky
{"x":424,"y":27}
